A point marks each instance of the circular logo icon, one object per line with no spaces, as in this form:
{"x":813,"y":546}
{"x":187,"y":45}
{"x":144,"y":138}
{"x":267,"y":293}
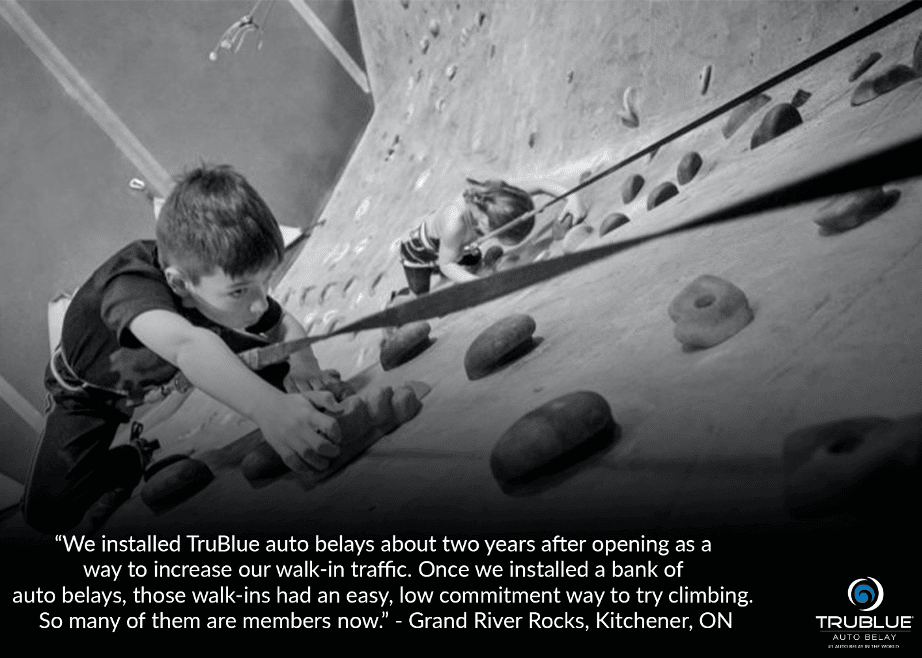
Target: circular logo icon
{"x":866,"y":593}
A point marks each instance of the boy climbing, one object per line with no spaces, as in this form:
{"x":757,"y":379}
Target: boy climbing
{"x":187,"y":303}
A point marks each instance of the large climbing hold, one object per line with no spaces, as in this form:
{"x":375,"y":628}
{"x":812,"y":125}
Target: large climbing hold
{"x":688,"y":168}
{"x":884,"y":83}
{"x":552,"y":437}
{"x":661,"y":193}
{"x":709,"y":311}
{"x":776,"y":121}
{"x":742,"y":113}
{"x":852,"y":210}
{"x":407,"y":342}
{"x":499,"y":344}
{"x":176,"y":481}
{"x":631,"y":187}
{"x":407,"y":400}
{"x":858,"y":465}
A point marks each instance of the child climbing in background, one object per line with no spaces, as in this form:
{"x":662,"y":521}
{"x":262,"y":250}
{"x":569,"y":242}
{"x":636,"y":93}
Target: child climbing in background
{"x":443,"y":242}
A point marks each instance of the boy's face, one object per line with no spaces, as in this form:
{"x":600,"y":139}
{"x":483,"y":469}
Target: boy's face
{"x":232,"y":302}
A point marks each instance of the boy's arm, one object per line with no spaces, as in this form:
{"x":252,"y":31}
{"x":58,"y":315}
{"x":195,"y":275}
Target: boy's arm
{"x":574,"y":206}
{"x":289,"y":422}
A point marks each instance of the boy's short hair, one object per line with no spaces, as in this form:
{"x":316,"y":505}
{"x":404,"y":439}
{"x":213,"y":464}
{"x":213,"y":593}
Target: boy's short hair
{"x":502,"y":203}
{"x":213,"y":218}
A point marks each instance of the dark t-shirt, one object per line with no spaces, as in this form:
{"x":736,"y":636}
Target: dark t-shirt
{"x":97,"y":343}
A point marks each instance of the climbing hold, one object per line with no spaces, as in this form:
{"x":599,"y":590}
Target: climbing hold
{"x":406,"y":401}
{"x":709,"y":311}
{"x":481,"y":17}
{"x":561,"y":227}
{"x":492,"y":255}
{"x":353,"y":419}
{"x":175,"y":483}
{"x":776,"y":121}
{"x":532,"y":138}
{"x":434,"y":27}
{"x":407,"y":342}
{"x":575,"y":237}
{"x":742,"y":113}
{"x":884,"y":83}
{"x":586,"y":175}
{"x":855,"y":465}
{"x":660,"y":193}
{"x":611,"y":222}
{"x":863,"y":66}
{"x":551,"y":437}
{"x":800,"y":98}
{"x":262,"y":464}
{"x":852,"y":210}
{"x":450,"y":71}
{"x":500,"y":343}
{"x":405,"y":3}
{"x":570,"y":76}
{"x":704,"y":79}
{"x":424,"y":45}
{"x":379,"y":401}
{"x":631,"y":187}
{"x":440,"y":104}
{"x":628,"y":113}
{"x":688,"y":167}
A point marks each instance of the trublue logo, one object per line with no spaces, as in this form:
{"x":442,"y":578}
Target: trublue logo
{"x":866,"y":593}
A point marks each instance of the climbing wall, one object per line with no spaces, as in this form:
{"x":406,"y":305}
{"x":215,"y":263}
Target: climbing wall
{"x":824,"y":314}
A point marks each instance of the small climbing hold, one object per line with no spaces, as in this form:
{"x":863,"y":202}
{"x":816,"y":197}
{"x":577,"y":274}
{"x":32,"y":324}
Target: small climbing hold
{"x":857,"y":465}
{"x":742,"y":113}
{"x":800,"y":98}
{"x":611,"y":222}
{"x":173,"y":484}
{"x":450,"y":71}
{"x":465,"y":35}
{"x":660,"y":193}
{"x":575,"y":237}
{"x":864,"y":65}
{"x":434,"y":27}
{"x":554,"y":436}
{"x":407,"y":342}
{"x":532,"y":138}
{"x":631,"y":187}
{"x":776,"y":121}
{"x":628,"y":113}
{"x":852,"y":210}
{"x":586,"y":175}
{"x":561,"y":227}
{"x":500,"y":343}
{"x":492,"y":256}
{"x":424,"y":45}
{"x":704,"y":79}
{"x":688,"y":167}
{"x":440,"y":104}
{"x":262,"y":465}
{"x":492,"y":50}
{"x":481,"y":17}
{"x":884,"y":83}
{"x":570,"y":76}
{"x":405,"y":3}
{"x":709,"y":311}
